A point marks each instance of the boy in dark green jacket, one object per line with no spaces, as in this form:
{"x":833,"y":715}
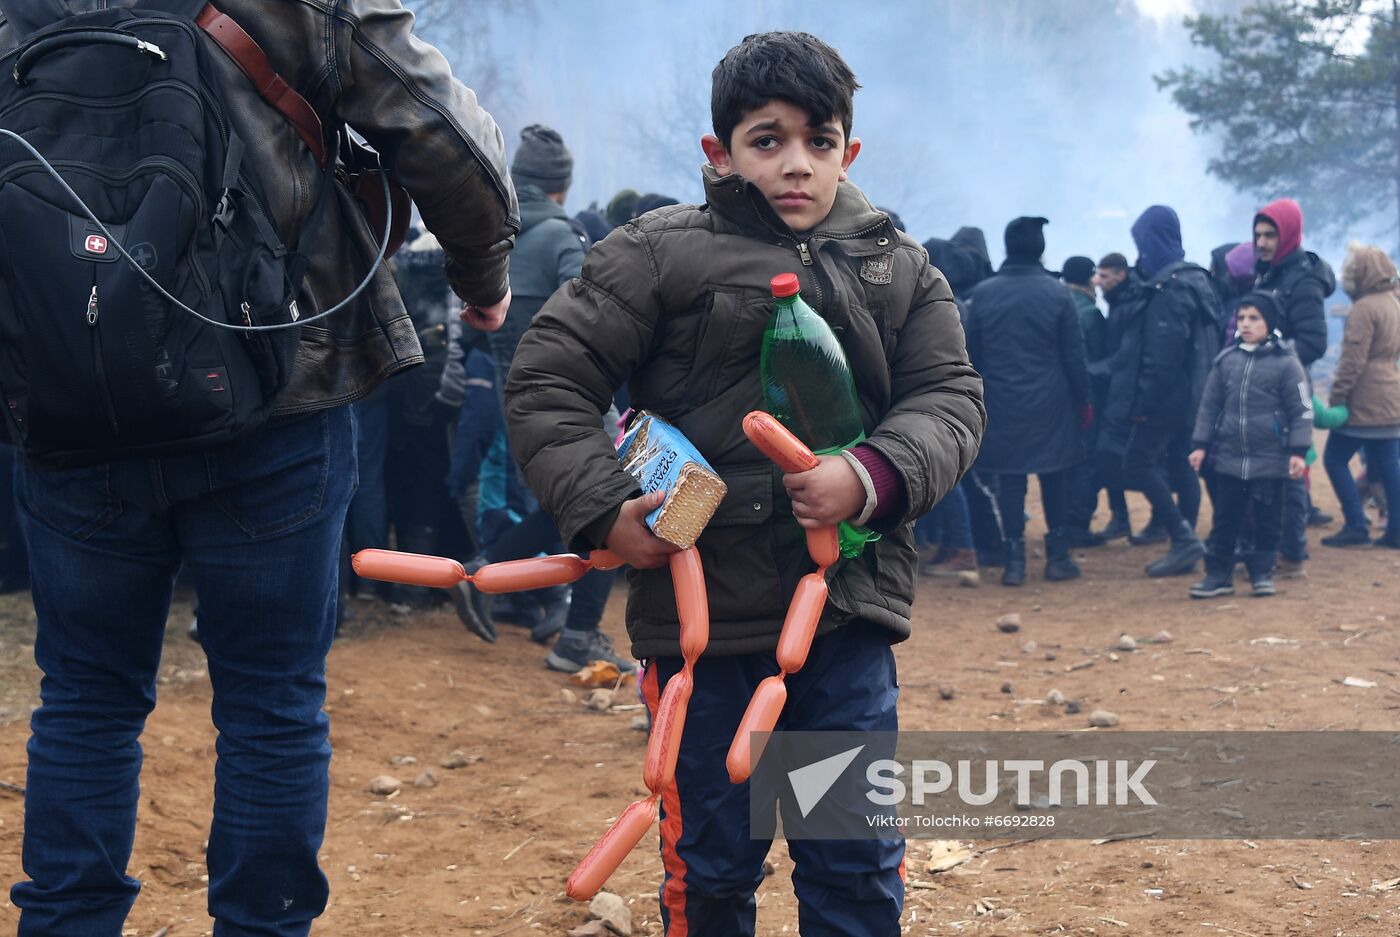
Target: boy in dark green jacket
{"x":675,"y":304}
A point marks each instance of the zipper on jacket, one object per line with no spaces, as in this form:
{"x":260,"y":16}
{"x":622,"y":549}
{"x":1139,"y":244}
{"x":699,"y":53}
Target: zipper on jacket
{"x":1244,"y":424}
{"x":98,"y":368}
{"x":805,"y":254}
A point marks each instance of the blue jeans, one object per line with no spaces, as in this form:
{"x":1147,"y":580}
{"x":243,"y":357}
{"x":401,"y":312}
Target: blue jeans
{"x":844,"y":888}
{"x":258,"y":526}
{"x":1382,"y":462}
{"x":367,"y":523}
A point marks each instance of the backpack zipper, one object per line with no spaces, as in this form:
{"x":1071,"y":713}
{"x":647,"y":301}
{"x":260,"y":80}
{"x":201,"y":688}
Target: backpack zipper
{"x":99,"y":369}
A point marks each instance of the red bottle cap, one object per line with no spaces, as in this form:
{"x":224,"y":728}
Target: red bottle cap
{"x":784,"y":285}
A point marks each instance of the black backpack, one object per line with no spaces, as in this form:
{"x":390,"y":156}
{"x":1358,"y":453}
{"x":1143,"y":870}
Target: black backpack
{"x":147,"y":303}
{"x":1205,"y":326}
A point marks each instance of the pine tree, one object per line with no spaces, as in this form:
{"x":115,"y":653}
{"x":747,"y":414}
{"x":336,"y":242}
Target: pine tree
{"x":1306,"y":100}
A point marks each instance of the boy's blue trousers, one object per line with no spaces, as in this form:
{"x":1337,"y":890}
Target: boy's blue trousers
{"x":712,"y":865}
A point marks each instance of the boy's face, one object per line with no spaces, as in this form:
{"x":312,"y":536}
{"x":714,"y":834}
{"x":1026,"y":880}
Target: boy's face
{"x":1251,"y":325}
{"x":794,"y":164}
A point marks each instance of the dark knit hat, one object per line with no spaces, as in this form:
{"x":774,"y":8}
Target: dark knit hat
{"x":1025,"y":240}
{"x":1267,"y":304}
{"x":1078,"y":271}
{"x":1114,"y":261}
{"x":542,"y":160}
{"x":622,"y":208}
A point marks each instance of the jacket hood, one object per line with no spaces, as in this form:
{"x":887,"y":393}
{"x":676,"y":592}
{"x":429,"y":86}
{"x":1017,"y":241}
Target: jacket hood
{"x":1157,"y":234}
{"x":739,"y":201}
{"x":959,"y":266}
{"x":1286,"y":215}
{"x":536,"y":206}
{"x":975,"y":242}
{"x":1367,"y":270}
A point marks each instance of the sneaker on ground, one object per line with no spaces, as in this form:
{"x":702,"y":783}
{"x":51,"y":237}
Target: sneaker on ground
{"x":577,"y":649}
{"x":1262,"y":586}
{"x":1289,"y":569}
{"x":1213,"y":586}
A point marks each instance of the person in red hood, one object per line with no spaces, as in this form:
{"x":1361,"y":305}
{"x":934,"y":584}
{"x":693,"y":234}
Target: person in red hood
{"x":1300,"y":281}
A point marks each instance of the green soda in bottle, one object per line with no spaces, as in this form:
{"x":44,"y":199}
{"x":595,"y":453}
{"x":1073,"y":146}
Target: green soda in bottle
{"x":807,"y":385}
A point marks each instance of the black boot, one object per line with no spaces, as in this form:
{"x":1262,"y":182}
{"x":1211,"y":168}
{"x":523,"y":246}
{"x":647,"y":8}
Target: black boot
{"x":1058,"y":565}
{"x":1014,"y":572}
{"x":1220,"y":577}
{"x":1261,"y":573}
{"x":1117,"y":528}
{"x":1181,"y":558}
{"x":1083,"y":537}
{"x":1154,"y":532}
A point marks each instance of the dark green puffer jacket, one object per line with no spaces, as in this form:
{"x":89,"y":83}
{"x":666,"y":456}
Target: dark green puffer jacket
{"x":675,"y":304}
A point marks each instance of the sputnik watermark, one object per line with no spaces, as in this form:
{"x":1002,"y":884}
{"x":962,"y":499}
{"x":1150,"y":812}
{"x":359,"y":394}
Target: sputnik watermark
{"x":1117,"y":782}
{"x":1170,"y":785}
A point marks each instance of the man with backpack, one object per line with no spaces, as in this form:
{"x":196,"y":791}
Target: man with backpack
{"x":169,"y":173}
{"x":1174,"y":340}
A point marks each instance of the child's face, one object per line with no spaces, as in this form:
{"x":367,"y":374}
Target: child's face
{"x":1250,"y":325}
{"x":795,"y":165}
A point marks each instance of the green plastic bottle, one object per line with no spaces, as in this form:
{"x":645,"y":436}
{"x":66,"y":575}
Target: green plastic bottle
{"x":807,"y":385}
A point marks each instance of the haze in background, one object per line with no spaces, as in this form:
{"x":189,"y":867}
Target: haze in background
{"x":971,"y":113}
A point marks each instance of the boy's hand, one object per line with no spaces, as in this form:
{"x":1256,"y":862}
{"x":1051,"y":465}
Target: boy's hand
{"x":1297,"y":465}
{"x":631,"y":538}
{"x":487,"y":318}
{"x":1196,"y":458}
{"x":826,"y":495}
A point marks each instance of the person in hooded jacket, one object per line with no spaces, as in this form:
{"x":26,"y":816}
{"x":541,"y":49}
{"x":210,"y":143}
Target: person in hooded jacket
{"x":1367,"y":381}
{"x":1023,"y":336}
{"x":1171,"y":343}
{"x":1302,"y":281}
{"x":1255,"y":426}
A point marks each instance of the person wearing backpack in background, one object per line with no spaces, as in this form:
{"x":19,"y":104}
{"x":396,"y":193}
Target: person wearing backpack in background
{"x":1175,"y":338}
{"x":257,"y":522}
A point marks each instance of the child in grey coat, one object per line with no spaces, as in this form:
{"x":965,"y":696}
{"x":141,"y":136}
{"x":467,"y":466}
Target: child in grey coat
{"x":1255,"y":421}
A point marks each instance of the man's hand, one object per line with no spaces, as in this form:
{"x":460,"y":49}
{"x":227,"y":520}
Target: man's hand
{"x":1197,"y":458}
{"x":631,"y":538}
{"x":1297,"y":465}
{"x":826,"y":495}
{"x":487,"y":318}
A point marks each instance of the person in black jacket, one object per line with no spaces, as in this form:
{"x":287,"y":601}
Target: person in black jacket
{"x":1159,"y":368}
{"x":1023,"y":335}
{"x":1302,"y":281}
{"x":1122,"y":290}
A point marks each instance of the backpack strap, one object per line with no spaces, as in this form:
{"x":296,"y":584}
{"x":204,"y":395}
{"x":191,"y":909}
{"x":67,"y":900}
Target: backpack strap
{"x":252,"y":60}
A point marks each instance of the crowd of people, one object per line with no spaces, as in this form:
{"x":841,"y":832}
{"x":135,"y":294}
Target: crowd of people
{"x":498,"y":446}
{"x":1166,"y":391}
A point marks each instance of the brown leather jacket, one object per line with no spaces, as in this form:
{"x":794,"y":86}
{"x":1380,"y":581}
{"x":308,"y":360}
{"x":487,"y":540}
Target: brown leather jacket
{"x":357,"y":63}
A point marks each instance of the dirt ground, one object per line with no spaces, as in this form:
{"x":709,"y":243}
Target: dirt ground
{"x":486,"y":852}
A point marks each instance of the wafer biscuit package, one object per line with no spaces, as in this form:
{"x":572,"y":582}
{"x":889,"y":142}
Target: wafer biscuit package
{"x":657,"y":454}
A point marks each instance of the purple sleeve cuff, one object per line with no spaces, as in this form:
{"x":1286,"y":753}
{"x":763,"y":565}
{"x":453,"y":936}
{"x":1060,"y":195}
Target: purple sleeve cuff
{"x":889,"y":489}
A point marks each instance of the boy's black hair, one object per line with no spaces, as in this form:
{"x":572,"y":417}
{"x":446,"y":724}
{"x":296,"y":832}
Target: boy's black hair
{"x":787,"y":66}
